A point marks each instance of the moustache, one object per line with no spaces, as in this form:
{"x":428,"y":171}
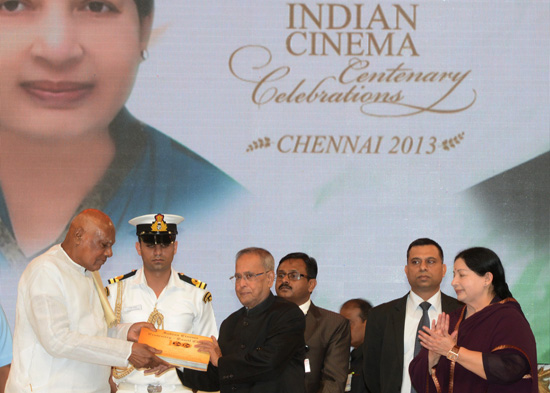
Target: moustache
{"x":285,"y":286}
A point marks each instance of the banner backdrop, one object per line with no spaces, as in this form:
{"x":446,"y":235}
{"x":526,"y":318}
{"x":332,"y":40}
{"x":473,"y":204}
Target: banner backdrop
{"x":347,"y":130}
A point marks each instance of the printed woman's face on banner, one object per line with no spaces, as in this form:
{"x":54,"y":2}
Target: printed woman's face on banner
{"x":67,"y":66}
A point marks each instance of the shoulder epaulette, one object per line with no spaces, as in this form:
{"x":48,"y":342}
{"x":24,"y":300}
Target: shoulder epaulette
{"x":192,"y":281}
{"x":122,"y":277}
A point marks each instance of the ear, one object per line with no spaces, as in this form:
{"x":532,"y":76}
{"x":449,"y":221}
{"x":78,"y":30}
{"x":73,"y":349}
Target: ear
{"x":488,"y":278}
{"x":270,"y":277}
{"x":407,"y":269}
{"x":175,"y":247}
{"x":138,"y":248}
{"x":444,"y":270}
{"x":78,"y":234}
{"x":311,"y":284}
{"x":146,"y":26}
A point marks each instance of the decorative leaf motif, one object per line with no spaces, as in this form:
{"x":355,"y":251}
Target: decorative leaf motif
{"x":260,"y":143}
{"x":453,"y":142}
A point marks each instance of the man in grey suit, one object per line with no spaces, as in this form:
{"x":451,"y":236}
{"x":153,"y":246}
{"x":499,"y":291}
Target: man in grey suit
{"x":327,"y":334}
{"x":391,"y":330}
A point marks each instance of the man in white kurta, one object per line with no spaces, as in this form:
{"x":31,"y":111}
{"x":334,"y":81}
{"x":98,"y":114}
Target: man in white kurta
{"x":158,"y":294}
{"x":61,"y":341}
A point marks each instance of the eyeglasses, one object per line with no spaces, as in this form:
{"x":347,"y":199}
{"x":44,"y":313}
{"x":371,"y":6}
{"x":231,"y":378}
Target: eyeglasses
{"x":292,"y":276}
{"x":247,"y":276}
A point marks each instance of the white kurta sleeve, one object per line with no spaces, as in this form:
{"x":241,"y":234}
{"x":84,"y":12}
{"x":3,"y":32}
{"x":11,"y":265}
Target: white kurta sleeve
{"x":65,"y":316}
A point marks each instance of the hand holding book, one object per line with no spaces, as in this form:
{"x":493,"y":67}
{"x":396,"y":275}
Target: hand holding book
{"x":178,"y":349}
{"x":212,"y":348}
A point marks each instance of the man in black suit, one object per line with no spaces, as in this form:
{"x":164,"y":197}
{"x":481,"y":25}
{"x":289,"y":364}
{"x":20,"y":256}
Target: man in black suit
{"x":261,"y":346}
{"x":391,"y":329}
{"x":327,"y":334}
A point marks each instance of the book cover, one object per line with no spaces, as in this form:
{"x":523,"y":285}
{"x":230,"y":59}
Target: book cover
{"x":177,"y":348}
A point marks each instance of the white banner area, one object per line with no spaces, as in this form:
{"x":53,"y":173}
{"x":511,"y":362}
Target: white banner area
{"x":347,"y":130}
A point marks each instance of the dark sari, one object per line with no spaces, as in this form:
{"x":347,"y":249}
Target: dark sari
{"x":500,"y":330}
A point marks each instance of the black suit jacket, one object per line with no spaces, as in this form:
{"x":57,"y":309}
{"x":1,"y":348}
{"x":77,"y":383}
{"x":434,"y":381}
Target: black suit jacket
{"x":262,"y":351}
{"x":383,"y":345}
{"x":356,"y":370}
{"x":328,"y":339}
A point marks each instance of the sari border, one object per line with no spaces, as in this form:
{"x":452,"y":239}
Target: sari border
{"x":505,"y":346}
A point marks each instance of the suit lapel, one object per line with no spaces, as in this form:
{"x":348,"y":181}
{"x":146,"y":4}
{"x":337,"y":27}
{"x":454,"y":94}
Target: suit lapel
{"x":397,"y":321}
{"x":448,"y":303}
{"x":312,"y":321}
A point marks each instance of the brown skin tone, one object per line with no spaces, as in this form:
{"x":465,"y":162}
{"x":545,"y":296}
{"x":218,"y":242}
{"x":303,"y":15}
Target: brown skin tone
{"x":89,"y":243}
{"x":297,"y":292}
{"x":4,"y":371}
{"x":476,"y":292}
{"x":356,"y":323}
{"x":213,"y":348}
{"x":112,"y":385}
{"x":157,"y":263}
{"x":90,"y":239}
{"x":250,"y":294}
{"x":473,"y":290}
{"x":55,"y":148}
{"x":425,"y":270}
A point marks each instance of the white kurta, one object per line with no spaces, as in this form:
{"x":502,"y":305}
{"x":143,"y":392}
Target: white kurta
{"x":185,"y":309}
{"x":60,"y":341}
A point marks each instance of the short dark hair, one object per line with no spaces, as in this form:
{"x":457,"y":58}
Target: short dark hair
{"x":361,"y":304}
{"x":144,"y":7}
{"x":481,"y":260}
{"x":424,"y":241}
{"x":311,"y":263}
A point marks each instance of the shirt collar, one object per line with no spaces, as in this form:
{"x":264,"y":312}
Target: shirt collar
{"x":414,"y":300}
{"x":81,"y":269}
{"x":261,"y":307}
{"x":174,"y":280}
{"x":305,"y":307}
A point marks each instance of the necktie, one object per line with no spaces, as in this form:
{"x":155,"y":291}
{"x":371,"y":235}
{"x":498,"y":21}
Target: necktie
{"x":424,"y":321}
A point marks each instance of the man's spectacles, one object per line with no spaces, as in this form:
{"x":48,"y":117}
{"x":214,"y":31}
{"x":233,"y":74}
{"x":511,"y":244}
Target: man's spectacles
{"x":247,"y":276}
{"x":292,"y":276}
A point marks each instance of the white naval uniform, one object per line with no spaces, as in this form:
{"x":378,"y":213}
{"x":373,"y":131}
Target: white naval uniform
{"x":60,"y":341}
{"x":185,"y":307}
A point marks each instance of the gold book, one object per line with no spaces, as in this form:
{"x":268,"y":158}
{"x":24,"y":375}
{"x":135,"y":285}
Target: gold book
{"x":177,"y":348}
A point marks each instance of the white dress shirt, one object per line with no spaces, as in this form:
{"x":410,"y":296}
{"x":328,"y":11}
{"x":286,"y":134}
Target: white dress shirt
{"x":305,"y":307}
{"x":60,"y":340}
{"x":185,"y":308}
{"x":412,"y":318}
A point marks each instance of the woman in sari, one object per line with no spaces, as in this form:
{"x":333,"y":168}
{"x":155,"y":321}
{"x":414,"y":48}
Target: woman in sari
{"x":68,"y":141}
{"x":485,"y":346}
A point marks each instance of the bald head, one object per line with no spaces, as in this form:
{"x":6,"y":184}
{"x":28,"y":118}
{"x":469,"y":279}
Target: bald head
{"x":90,"y":218}
{"x":90,"y":239}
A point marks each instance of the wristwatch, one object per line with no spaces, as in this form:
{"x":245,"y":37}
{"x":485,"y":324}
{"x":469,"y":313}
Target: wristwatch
{"x":452,"y":355}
